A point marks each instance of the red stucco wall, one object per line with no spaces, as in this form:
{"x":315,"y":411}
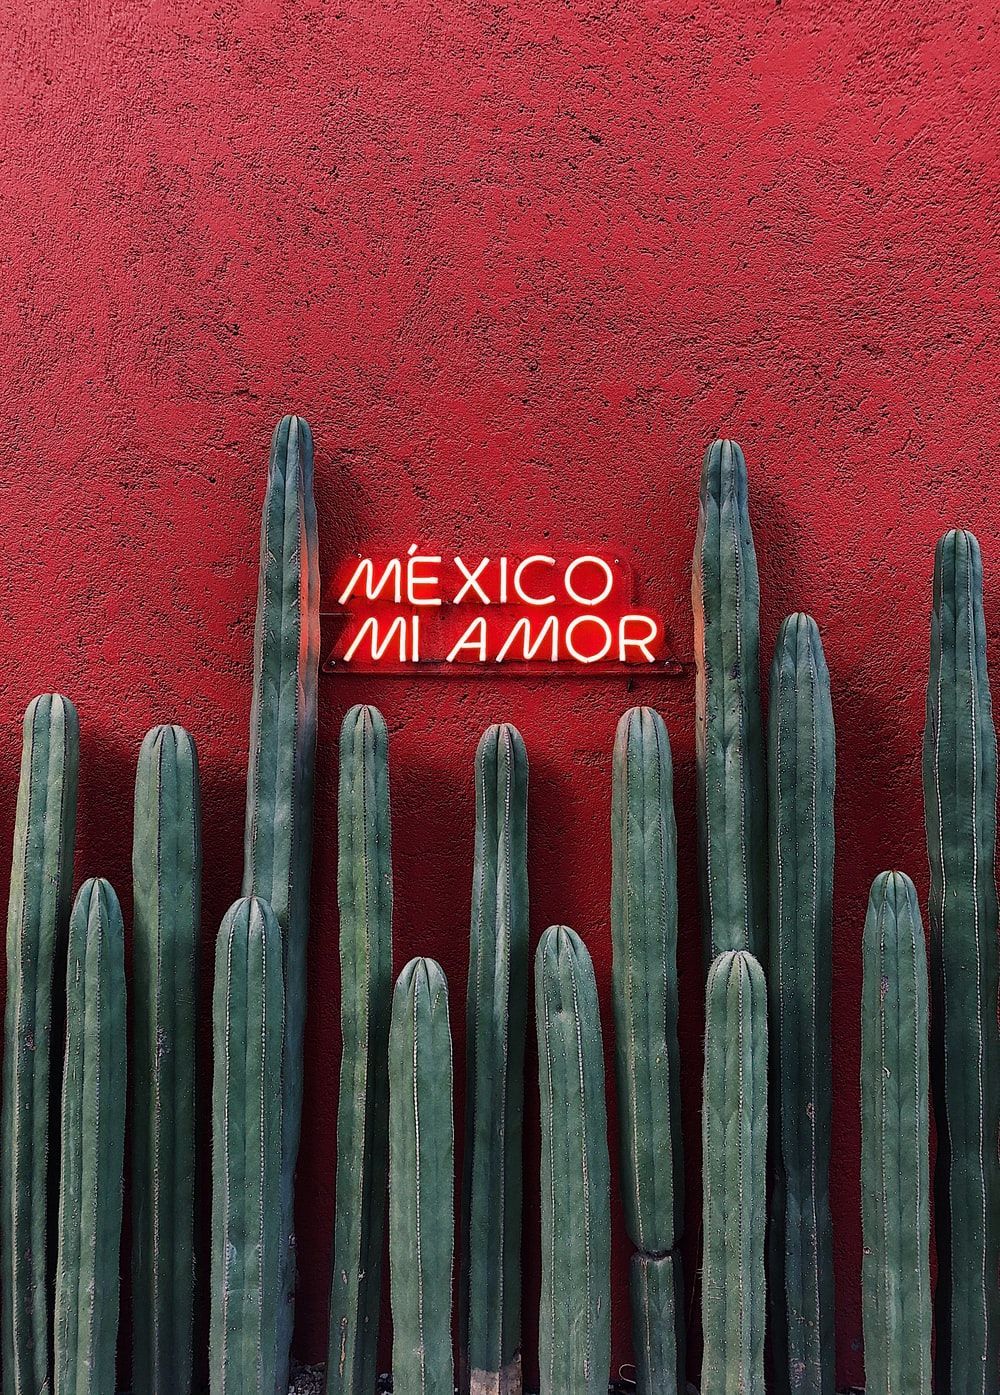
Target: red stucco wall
{"x":517,"y":263}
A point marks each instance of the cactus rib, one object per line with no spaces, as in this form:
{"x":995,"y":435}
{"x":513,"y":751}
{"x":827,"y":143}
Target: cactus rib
{"x":490,"y":1289}
{"x":37,"y":927}
{"x":166,"y":874}
{"x":364,"y":884}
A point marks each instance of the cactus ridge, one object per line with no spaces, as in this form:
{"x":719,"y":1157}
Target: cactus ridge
{"x":490,"y":1289}
{"x":729,"y":737}
{"x":644,"y":991}
{"x":960,"y":789}
{"x":895,"y":1180}
{"x":166,"y":875}
{"x":734,"y":1145}
{"x":247,"y":1025}
{"x":364,"y":883}
{"x":574,"y":1317}
{"x":421,"y":1182}
{"x":801,"y":763}
{"x":278,"y":836}
{"x":37,"y":928}
{"x":92,"y":1146}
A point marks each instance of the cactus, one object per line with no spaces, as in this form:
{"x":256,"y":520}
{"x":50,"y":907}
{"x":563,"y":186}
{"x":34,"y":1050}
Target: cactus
{"x":248,"y":1027}
{"x":801,"y":777}
{"x":93,"y":1141}
{"x":166,"y":879}
{"x":731,"y":793}
{"x":960,"y":789}
{"x":278,"y":838}
{"x":895,"y":1179}
{"x":37,"y":925}
{"x":490,"y":1286}
{"x":364,"y":883}
{"x":574,"y":1334}
{"x":421,"y":1182}
{"x":734,"y":1149}
{"x":644,"y":984}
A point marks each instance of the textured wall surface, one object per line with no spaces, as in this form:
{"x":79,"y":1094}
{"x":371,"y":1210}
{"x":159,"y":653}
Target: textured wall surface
{"x":517,"y":263}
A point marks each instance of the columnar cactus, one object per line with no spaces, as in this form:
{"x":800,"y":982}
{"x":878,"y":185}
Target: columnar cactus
{"x":421,"y":1182}
{"x":734,"y":1146}
{"x":644,"y":984}
{"x":247,"y":1026}
{"x":278,"y":837}
{"x":729,"y":739}
{"x":166,"y":879}
{"x":364,"y":893}
{"x":490,"y":1288}
{"x":895,"y":1180}
{"x":574,"y":1333}
{"x":37,"y":926}
{"x":960,"y":790}
{"x":801,"y":764}
{"x":92,"y":1148}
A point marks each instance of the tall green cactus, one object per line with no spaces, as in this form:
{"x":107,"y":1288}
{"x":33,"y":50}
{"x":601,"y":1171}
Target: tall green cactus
{"x":729,"y":737}
{"x":734,"y":1149}
{"x":895,"y":1179}
{"x":92,"y":1148}
{"x":574,"y":1332}
{"x":801,"y":770}
{"x":960,"y":790}
{"x":421,"y":1182}
{"x":37,"y":925}
{"x":278,"y":837}
{"x":490,"y":1286}
{"x":644,"y":984}
{"x":364,"y":887}
{"x":166,"y":880}
{"x":247,"y":1026}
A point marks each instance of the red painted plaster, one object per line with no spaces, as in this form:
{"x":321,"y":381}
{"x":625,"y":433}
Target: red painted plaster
{"x":517,"y":263}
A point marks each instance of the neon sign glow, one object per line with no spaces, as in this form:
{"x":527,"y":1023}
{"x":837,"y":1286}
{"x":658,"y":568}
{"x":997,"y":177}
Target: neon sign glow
{"x":536,"y":613}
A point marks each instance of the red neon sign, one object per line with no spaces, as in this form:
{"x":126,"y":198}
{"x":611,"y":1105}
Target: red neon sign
{"x":529,"y":614}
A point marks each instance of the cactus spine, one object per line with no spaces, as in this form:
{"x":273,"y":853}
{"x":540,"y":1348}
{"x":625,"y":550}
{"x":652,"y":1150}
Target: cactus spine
{"x":574,"y":1314}
{"x":490,"y":1288}
{"x":960,"y":789}
{"x":93,"y":1140}
{"x":37,"y":925}
{"x":166,"y":879}
{"x":801,"y":773}
{"x":644,"y":985}
{"x":278,"y":837}
{"x":421,"y":1182}
{"x":364,"y":885}
{"x":729,"y":740}
{"x":247,"y":1025}
{"x":895,"y":1181}
{"x":734,"y":1145}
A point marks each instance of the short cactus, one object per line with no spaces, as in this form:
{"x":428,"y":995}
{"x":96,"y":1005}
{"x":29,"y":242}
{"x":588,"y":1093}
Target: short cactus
{"x":729,"y":739}
{"x":37,"y":928}
{"x":801,"y":763}
{"x":364,"y":893}
{"x":574,"y":1332}
{"x":92,"y":1147}
{"x":644,"y":984}
{"x":960,"y":792}
{"x":278,"y":836}
{"x":166,"y":878}
{"x":421,"y":1182}
{"x":734,"y":1152}
{"x":895,"y":1178}
{"x":490,"y":1287}
{"x":247,"y":1026}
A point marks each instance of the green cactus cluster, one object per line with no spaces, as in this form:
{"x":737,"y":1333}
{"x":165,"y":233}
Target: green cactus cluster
{"x":765,"y":861}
